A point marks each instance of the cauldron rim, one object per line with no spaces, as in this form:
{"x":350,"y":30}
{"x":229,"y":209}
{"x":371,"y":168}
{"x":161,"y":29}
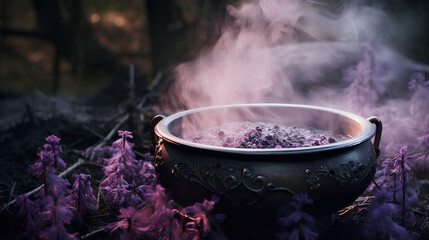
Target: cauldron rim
{"x":368,"y":131}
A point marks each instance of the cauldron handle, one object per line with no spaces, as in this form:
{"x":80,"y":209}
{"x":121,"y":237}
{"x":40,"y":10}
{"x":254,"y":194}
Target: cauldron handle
{"x":378,"y":128}
{"x":155,"y":120}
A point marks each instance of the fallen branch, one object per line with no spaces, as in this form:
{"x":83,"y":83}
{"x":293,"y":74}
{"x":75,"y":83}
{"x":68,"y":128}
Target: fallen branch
{"x":11,"y":191}
{"x":93,"y":233}
{"x":361,"y":201}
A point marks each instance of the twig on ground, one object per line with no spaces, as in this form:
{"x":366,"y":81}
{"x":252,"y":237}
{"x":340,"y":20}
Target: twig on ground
{"x":93,"y":233}
{"x":94,"y":164}
{"x":99,"y":193}
{"x":11,"y":191}
{"x":361,"y":201}
{"x":93,"y":132}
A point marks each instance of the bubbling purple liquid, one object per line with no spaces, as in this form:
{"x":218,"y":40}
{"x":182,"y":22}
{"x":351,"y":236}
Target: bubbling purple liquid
{"x":263,"y":135}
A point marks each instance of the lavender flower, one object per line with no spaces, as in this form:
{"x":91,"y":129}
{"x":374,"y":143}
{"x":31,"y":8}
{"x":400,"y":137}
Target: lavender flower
{"x":57,"y":186}
{"x":30,"y":210}
{"x":122,"y":166}
{"x":381,"y":215}
{"x":159,"y":222}
{"x":117,"y":194}
{"x":125,"y":134}
{"x":155,"y":195}
{"x":56,"y":149}
{"x":82,"y":197}
{"x":43,"y":166}
{"x":133,"y":184}
{"x":47,"y":215}
{"x":406,"y":195}
{"x":206,"y":225}
{"x":149,"y":223}
{"x":127,"y":178}
{"x":146,"y":175}
{"x":298,"y":220}
{"x":123,"y":143}
{"x":134,"y":194}
{"x":127,"y":227}
{"x":401,"y":167}
{"x":48,"y":160}
{"x":57,"y":213}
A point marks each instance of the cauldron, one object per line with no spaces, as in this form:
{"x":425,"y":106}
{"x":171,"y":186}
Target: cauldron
{"x":257,"y":183}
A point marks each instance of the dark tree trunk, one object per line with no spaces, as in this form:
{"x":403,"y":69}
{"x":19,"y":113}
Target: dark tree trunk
{"x":73,"y":39}
{"x":163,"y":32}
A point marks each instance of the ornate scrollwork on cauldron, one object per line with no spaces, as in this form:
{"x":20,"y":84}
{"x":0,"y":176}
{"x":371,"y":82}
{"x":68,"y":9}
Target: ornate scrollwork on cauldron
{"x":347,"y":173}
{"x":222,"y":179}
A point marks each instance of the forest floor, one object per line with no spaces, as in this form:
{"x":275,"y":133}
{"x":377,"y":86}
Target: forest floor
{"x":84,"y":125}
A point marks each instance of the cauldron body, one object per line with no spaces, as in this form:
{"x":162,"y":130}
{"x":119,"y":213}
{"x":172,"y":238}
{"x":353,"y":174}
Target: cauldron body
{"x":255,"y":184}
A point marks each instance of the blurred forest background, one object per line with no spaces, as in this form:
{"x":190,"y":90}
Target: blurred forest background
{"x":79,"y":48}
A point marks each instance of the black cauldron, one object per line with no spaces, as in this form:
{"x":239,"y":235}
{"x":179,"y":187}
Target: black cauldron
{"x":256,"y":184}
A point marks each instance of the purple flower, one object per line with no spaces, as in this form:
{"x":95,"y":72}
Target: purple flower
{"x":123,"y":143}
{"x":47,"y":215}
{"x":128,"y":179}
{"x":43,"y":166}
{"x":57,"y":186}
{"x":54,"y":147}
{"x":146,"y":175}
{"x":384,"y":177}
{"x":128,"y":218}
{"x":148,"y":224}
{"x":56,"y":214}
{"x":117,"y":194}
{"x":27,"y":207}
{"x":82,"y":197}
{"x":381,"y":215}
{"x":125,"y":134}
{"x":134,"y":194}
{"x":400,"y":165}
{"x":54,"y":140}
{"x":155,"y":195}
{"x":122,"y":165}
{"x":49,"y":159}
{"x":159,"y":222}
{"x":132,"y":183}
{"x":204,"y":223}
{"x":298,"y":219}
{"x":30,"y":210}
{"x":57,"y":232}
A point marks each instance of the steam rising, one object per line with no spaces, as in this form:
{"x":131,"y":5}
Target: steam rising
{"x":310,"y":52}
